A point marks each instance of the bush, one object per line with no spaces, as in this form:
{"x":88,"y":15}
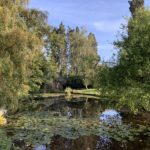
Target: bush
{"x":68,"y":91}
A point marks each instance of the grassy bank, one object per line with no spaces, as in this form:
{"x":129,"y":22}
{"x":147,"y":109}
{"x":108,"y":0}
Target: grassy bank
{"x":79,"y":93}
{"x":92,"y":92}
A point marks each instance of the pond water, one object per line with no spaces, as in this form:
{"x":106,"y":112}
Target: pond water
{"x":80,"y":123}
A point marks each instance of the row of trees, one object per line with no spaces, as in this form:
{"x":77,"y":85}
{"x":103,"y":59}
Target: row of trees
{"x":33,"y":53}
{"x":73,"y":53}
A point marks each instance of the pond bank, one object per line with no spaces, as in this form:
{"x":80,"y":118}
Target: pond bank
{"x":93,"y":92}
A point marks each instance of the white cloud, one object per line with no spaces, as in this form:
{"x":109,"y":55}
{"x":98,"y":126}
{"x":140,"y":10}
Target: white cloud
{"x":102,"y":17}
{"x":108,"y":26}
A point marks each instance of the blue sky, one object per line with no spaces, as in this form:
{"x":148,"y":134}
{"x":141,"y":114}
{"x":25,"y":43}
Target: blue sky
{"x":102,"y":17}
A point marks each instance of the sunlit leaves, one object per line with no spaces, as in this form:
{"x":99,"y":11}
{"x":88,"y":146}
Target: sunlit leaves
{"x":19,"y":48}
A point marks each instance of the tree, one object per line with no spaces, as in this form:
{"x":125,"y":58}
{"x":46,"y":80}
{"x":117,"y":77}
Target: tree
{"x":77,"y":41}
{"x":83,"y":55}
{"x":134,"y":55}
{"x":19,"y":47}
{"x":91,"y":60}
{"x":36,"y":22}
{"x":57,"y":50}
{"x":135,"y":5}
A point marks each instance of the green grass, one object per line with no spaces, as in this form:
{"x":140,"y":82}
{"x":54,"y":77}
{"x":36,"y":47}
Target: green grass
{"x":46,"y":95}
{"x":93,"y":92}
{"x":83,"y":92}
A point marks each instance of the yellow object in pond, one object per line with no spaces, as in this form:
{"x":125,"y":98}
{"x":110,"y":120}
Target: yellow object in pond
{"x":3,"y":120}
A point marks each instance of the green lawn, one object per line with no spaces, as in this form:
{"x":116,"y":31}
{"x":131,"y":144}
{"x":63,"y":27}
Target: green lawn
{"x":93,"y":92}
{"x":88,"y":92}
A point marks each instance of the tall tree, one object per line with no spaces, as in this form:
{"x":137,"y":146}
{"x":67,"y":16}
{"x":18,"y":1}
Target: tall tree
{"x":91,"y":60}
{"x":135,"y":5}
{"x":84,"y":57}
{"x":36,"y":22}
{"x":57,"y":51}
{"x":134,"y":56}
{"x":18,"y":48}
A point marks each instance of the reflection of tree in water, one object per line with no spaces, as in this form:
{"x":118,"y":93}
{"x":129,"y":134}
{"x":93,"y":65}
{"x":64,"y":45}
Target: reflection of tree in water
{"x":68,"y":144}
{"x":69,"y":113}
{"x":87,"y":109}
{"x":92,"y":108}
{"x":74,"y":112}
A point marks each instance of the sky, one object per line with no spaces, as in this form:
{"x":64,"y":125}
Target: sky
{"x":102,"y":17}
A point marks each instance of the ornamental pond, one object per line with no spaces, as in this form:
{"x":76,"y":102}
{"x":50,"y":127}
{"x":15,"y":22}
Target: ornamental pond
{"x":77,"y":123}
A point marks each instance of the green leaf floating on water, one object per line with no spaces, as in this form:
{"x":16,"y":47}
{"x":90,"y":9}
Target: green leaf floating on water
{"x":39,"y":128}
{"x":5,"y":142}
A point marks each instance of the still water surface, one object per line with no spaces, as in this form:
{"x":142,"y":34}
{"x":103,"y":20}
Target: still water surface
{"x":80,"y":123}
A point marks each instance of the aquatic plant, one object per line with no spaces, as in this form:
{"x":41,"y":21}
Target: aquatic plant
{"x":5,"y":142}
{"x":39,"y":128}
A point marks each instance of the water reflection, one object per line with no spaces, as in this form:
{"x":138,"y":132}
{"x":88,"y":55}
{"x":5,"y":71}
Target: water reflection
{"x":68,"y":144}
{"x":111,"y":117}
{"x":79,"y":109}
{"x":90,"y":143}
{"x":103,"y":143}
{"x":69,"y":113}
{"x":83,"y":143}
{"x":87,"y":111}
{"x":75,"y":113}
{"x":41,"y":147}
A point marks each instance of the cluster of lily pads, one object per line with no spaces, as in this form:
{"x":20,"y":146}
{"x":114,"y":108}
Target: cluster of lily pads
{"x":39,"y":128}
{"x":31,"y":127}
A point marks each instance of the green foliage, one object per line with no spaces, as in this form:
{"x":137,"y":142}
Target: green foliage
{"x":134,"y":55}
{"x":135,"y":5}
{"x":57,"y":49}
{"x":128,"y":81}
{"x":84,"y":58}
{"x":22,"y":40}
{"x":134,"y":61}
{"x":136,"y":97}
{"x":33,"y":53}
{"x":27,"y":127}
{"x":73,"y":53}
{"x":14,"y":52}
{"x":5,"y":142}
